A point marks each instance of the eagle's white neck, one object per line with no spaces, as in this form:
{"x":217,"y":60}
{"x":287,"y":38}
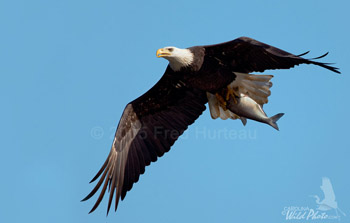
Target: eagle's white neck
{"x":180,"y":58}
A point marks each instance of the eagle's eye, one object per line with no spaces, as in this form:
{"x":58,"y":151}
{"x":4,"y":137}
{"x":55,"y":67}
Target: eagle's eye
{"x":170,"y":49}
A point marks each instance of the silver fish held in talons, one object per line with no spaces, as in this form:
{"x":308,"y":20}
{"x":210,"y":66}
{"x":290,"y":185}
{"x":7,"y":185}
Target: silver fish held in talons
{"x":246,"y":107}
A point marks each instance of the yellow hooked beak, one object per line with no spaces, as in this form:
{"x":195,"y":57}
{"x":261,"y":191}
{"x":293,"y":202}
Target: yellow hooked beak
{"x":163,"y":52}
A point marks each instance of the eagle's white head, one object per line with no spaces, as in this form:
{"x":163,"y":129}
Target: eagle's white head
{"x":177,"y":58}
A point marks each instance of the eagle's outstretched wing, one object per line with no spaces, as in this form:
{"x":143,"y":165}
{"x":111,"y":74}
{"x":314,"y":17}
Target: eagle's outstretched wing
{"x":248,"y":55}
{"x":147,"y":129}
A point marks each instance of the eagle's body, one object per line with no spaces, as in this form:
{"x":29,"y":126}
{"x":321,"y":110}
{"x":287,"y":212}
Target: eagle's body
{"x":152,"y":123}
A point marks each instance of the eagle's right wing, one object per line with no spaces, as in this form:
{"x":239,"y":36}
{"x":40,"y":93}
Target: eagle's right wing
{"x":147,"y":129}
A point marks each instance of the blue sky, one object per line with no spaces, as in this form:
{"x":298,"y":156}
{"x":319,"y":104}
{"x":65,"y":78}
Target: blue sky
{"x":68,"y":68}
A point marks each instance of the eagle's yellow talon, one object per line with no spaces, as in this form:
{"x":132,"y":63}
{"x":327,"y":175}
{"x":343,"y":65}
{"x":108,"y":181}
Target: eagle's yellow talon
{"x":235,"y":100}
{"x":232,"y":92}
{"x":222,"y":101}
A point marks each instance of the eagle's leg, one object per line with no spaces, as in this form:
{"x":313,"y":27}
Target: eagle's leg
{"x":221,"y":100}
{"x":232,"y":92}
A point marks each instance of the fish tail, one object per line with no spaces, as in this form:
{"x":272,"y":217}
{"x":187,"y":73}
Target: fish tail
{"x":274,"y":119}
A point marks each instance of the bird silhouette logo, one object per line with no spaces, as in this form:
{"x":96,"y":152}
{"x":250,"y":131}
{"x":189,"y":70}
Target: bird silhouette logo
{"x":328,"y":203}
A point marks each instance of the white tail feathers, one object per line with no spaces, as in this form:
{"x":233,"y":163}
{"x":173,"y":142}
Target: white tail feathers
{"x":217,"y":111}
{"x":256,"y":87}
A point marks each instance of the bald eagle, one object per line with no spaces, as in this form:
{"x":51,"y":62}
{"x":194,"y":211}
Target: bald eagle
{"x":152,"y":123}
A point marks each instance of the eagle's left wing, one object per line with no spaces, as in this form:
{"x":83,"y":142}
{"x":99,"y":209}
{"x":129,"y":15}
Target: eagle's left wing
{"x":248,"y":55}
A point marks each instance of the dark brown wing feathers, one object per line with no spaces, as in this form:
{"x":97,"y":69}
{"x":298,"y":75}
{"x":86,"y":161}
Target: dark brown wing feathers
{"x":148,"y":128}
{"x":249,"y":55}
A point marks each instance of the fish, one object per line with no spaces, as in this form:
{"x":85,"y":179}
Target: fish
{"x":218,"y":110}
{"x":246,"y":107}
{"x":254,"y":85}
